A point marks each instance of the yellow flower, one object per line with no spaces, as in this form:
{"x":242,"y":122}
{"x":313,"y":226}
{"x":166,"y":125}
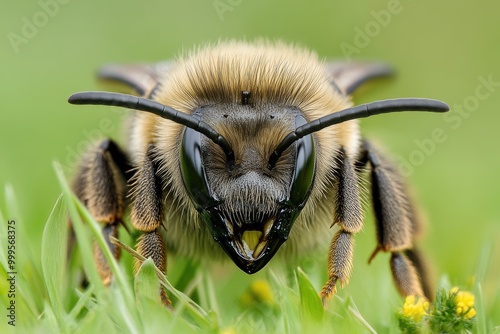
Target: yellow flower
{"x":262,"y":291}
{"x":415,"y":308}
{"x":258,"y":292}
{"x":465,"y":303}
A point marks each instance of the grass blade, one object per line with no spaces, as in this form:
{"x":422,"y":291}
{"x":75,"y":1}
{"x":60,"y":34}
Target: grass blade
{"x":83,"y":301}
{"x":146,"y":283}
{"x":310,"y":302}
{"x":353,"y":310}
{"x":153,"y":313}
{"x":287,"y":301}
{"x":51,"y":318}
{"x":53,"y":259}
{"x":80,"y":232}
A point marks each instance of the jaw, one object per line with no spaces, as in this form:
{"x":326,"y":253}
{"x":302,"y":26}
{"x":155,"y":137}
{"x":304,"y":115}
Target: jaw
{"x":250,"y":246}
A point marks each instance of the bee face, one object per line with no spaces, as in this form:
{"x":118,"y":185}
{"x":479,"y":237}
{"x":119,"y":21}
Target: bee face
{"x":248,"y":206}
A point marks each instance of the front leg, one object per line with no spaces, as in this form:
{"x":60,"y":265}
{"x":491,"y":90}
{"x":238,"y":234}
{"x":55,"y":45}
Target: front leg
{"x":349,"y":217}
{"x":147,"y":215}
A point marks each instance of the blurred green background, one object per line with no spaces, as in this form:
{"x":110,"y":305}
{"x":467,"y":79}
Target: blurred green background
{"x":444,"y":50}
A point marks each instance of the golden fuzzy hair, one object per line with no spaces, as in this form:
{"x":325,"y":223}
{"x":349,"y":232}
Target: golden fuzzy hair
{"x":275,"y":74}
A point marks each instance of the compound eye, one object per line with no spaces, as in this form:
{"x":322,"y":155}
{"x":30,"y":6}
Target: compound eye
{"x":193,"y":170}
{"x":305,"y":167}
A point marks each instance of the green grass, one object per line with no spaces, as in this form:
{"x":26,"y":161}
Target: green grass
{"x":49,"y":298}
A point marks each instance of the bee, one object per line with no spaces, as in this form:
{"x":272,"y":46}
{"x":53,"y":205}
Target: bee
{"x":247,"y":151}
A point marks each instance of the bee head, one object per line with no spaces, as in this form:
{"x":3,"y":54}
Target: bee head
{"x":248,"y":205}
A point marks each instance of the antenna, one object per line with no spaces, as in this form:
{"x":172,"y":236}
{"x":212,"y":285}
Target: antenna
{"x":361,"y":111}
{"x":139,"y":103}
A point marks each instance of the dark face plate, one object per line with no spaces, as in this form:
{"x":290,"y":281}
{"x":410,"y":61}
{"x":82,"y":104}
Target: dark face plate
{"x":250,"y":242}
{"x":232,"y":244}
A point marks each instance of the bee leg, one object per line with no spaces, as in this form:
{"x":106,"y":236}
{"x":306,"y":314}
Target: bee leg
{"x":418,"y":261}
{"x":101,"y":185}
{"x":349,"y":217}
{"x":397,"y":226}
{"x":147,"y":216}
{"x":150,"y":245}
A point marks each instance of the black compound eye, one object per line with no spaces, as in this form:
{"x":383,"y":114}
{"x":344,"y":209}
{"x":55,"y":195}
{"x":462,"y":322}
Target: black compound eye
{"x":193,"y":170}
{"x":305,"y":167}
